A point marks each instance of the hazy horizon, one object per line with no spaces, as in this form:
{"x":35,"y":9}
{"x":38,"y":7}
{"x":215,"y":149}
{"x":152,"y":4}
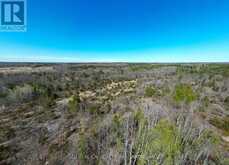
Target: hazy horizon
{"x":151,"y":31}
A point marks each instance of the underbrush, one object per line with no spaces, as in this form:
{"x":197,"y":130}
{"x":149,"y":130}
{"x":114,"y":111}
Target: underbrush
{"x":139,"y":139}
{"x":184,"y":93}
{"x":221,"y":123}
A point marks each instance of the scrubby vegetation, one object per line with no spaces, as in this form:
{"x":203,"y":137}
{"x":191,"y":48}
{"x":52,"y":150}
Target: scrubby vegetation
{"x":221,"y":123}
{"x":150,"y":91}
{"x":130,"y":114}
{"x":184,"y":93}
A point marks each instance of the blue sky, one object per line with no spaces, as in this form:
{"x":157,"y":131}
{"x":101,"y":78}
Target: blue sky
{"x":121,"y":31}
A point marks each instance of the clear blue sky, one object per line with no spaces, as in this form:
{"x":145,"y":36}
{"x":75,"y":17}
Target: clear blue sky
{"x":121,"y":31}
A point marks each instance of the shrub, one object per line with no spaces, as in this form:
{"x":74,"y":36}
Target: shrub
{"x":184,"y":93}
{"x":4,"y":152}
{"x":163,"y":139}
{"x":94,"y":109}
{"x":82,"y":148}
{"x":117,"y":121}
{"x":226,"y":103}
{"x":73,"y":104}
{"x":20,"y":93}
{"x":3,"y":91}
{"x":171,"y":143}
{"x":205,"y":103}
{"x":221,"y":123}
{"x":150,"y":91}
{"x":6,"y":133}
{"x":139,"y":116}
